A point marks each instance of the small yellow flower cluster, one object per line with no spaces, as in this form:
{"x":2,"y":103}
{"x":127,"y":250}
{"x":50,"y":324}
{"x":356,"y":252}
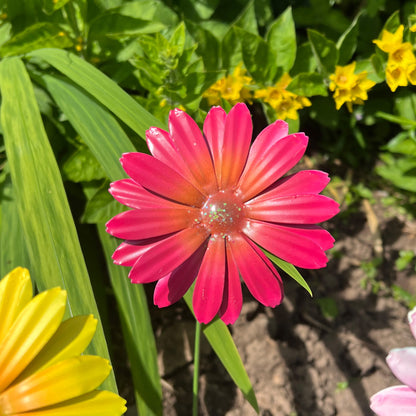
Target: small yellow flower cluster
{"x":401,"y":62}
{"x":236,"y":88}
{"x":233,"y":88}
{"x":348,"y":87}
{"x":285,"y":103}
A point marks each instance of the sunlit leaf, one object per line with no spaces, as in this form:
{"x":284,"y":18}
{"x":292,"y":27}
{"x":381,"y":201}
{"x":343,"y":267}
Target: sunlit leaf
{"x":51,"y":240}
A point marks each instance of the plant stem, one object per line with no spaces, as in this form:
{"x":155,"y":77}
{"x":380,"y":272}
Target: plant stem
{"x":195,"y":387}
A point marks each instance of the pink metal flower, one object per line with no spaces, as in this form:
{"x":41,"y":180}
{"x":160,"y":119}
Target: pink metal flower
{"x":399,"y":400}
{"x":204,"y":203}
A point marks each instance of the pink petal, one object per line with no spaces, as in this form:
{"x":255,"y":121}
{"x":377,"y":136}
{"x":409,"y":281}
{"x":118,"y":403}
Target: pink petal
{"x":233,"y":297}
{"x":288,"y":244}
{"x":300,"y":183}
{"x":396,"y":400}
{"x":166,"y":255}
{"x":411,"y":317}
{"x":209,"y":285}
{"x":126,"y":254}
{"x":402,"y":362}
{"x":193,"y":148}
{"x":161,"y":147}
{"x":258,"y":273}
{"x":295,"y":209}
{"x":159,"y":178}
{"x":214,"y":126}
{"x":268,"y":164}
{"x":134,"y":195}
{"x":144,"y":223}
{"x":313,"y":232}
{"x":171,"y":288}
{"x":268,"y":137}
{"x":237,"y":138}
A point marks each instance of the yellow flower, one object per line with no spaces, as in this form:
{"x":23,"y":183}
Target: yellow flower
{"x":389,"y":42}
{"x":413,"y":27}
{"x":285,"y":103}
{"x":401,"y":56}
{"x":42,"y":371}
{"x":233,"y":88}
{"x":396,"y":77}
{"x":411,"y":73}
{"x":349,"y":88}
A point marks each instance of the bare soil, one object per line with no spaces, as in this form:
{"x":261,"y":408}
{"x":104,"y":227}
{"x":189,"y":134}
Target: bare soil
{"x":300,"y":361}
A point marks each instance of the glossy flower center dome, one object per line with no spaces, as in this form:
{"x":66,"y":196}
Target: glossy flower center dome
{"x":222,"y":213}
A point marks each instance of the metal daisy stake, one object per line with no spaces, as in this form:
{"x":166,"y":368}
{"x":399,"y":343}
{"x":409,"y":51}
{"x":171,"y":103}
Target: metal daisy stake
{"x":206,"y":207}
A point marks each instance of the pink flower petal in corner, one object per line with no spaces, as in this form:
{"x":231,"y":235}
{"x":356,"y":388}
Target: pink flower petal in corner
{"x":402,"y":363}
{"x":396,"y":400}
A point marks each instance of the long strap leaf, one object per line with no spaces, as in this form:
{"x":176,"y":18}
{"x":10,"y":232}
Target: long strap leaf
{"x":100,"y":87}
{"x":55,"y":254}
{"x":106,"y":139}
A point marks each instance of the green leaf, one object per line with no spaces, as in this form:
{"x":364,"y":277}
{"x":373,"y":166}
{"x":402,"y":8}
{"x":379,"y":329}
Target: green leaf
{"x":305,"y":60}
{"x":247,"y":19}
{"x":101,"y":207}
{"x":290,"y":269}
{"x":259,"y":59}
{"x":107,"y":141}
{"x":97,"y":128}
{"x":208,"y":45}
{"x":13,"y":252}
{"x":82,"y":166}
{"x":400,"y":171}
{"x":347,"y":43}
{"x":137,"y":332}
{"x":328,"y":307}
{"x":39,"y":35}
{"x":393,"y":22}
{"x":325,"y":51}
{"x":222,"y":343}
{"x":281,"y":38}
{"x":54,"y":251}
{"x":404,"y":122}
{"x":231,"y":51}
{"x":308,"y":84}
{"x":404,"y":143}
{"x":100,"y":87}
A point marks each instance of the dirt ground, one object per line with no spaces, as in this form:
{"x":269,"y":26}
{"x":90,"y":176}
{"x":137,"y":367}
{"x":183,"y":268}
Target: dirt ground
{"x":300,"y":361}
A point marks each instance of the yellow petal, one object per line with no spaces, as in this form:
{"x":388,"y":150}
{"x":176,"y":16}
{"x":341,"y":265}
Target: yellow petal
{"x":32,"y":329}
{"x":70,"y":340}
{"x":96,"y":403}
{"x":15,"y":292}
{"x":62,"y":381}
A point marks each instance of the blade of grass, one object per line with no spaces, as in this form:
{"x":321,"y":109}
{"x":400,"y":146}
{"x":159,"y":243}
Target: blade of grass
{"x":53,"y":247}
{"x":223,"y":344}
{"x":100,"y":87}
{"x":106,"y":139}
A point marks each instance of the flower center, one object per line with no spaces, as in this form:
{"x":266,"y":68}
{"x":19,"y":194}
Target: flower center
{"x":222,"y":213}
